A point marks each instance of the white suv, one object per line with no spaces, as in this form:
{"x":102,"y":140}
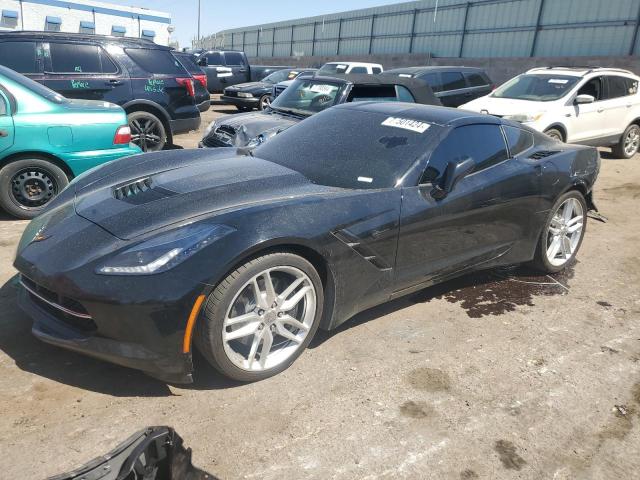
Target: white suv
{"x":591,"y":106}
{"x":332,"y":68}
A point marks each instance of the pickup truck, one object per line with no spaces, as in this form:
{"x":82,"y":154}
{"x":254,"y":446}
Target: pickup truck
{"x":225,"y":68}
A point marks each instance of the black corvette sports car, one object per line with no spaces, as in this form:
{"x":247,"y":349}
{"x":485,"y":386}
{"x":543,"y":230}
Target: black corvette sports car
{"x":247,"y":253}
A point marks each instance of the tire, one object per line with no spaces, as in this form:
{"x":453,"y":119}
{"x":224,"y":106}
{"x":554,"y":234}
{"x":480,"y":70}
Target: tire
{"x":147,"y":131}
{"x":541,"y":259}
{"x":555,"y":134}
{"x":228,"y":355}
{"x":629,"y":143}
{"x":264,"y":102}
{"x":28,"y":184}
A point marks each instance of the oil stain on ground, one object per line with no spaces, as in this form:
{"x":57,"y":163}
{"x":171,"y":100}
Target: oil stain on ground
{"x":417,"y":410}
{"x":429,"y":379}
{"x":508,"y":456}
{"x":495,"y":292}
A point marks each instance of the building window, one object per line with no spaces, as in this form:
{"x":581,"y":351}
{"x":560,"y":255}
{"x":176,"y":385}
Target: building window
{"x":53,"y":24}
{"x":118,"y":31}
{"x":87,"y":27}
{"x":148,"y":34}
{"x":9,"y":18}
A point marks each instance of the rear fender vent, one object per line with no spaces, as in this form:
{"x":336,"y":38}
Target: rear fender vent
{"x":132,"y":189}
{"x":543,"y":154}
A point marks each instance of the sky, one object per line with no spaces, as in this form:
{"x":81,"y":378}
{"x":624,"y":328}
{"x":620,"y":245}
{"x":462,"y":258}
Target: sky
{"x":220,"y":15}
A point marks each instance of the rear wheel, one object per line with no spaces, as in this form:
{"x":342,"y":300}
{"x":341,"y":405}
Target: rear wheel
{"x":261,"y":317}
{"x":28,"y":184}
{"x":629,"y":143}
{"x":555,"y":134}
{"x":562,"y":234}
{"x":147,"y":131}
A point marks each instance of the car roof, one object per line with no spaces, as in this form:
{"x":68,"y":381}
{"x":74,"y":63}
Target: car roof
{"x":355,"y":64}
{"x":439,"y":68}
{"x":426,"y":113}
{"x":130,"y":41}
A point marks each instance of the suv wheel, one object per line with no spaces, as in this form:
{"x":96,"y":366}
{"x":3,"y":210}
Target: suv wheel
{"x":147,"y":131}
{"x":555,"y":134}
{"x":28,"y":184}
{"x":629,"y":143}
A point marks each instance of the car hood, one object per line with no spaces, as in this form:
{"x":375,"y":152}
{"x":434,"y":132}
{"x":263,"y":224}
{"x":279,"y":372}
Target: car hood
{"x":147,"y":192}
{"x":242,"y":128}
{"x":250,"y":87}
{"x":504,"y":106}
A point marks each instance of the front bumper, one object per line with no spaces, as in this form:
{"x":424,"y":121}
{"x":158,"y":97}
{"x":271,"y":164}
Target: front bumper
{"x":185,"y":125}
{"x":51,"y":327}
{"x":251,"y":102}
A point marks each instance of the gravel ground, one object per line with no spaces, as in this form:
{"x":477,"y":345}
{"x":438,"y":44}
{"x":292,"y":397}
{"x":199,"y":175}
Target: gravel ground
{"x":498,"y":375}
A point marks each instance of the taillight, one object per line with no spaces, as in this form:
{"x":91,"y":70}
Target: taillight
{"x":188,"y":84}
{"x":202,"y":79}
{"x":123,"y":135}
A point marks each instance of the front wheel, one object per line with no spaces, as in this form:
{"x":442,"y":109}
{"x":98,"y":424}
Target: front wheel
{"x":629,"y":143}
{"x":562,"y":234}
{"x":28,"y":184}
{"x":555,"y":134}
{"x":147,"y":131}
{"x":264,"y":102}
{"x":261,"y":317}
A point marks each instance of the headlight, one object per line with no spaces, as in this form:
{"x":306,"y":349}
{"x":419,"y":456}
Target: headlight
{"x":245,"y":95}
{"x":164,"y":251}
{"x":525,"y":118}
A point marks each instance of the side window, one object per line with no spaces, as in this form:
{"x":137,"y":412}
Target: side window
{"x":593,"y":87}
{"x":483,"y":143}
{"x":621,"y":86}
{"x":4,"y":109}
{"x":19,"y":56}
{"x":433,"y":79}
{"x":233,"y":58}
{"x":518,"y":140}
{"x":452,"y":81}
{"x":475,"y":80}
{"x":214,"y":58}
{"x":358,"y":70}
{"x":376,"y":70}
{"x":404,"y":95}
{"x":74,"y":58}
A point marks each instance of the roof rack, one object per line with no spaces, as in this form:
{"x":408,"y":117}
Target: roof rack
{"x":74,"y":35}
{"x":588,"y":68}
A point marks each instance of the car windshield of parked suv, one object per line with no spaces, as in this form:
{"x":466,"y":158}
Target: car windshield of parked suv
{"x":34,"y":86}
{"x":538,"y":88}
{"x":308,"y":96}
{"x":376,"y":154}
{"x":331,"y":68}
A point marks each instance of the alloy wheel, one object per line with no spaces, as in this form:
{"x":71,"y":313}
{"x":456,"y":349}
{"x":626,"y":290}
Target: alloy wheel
{"x":33,"y":187}
{"x":269,"y":318}
{"x":147,"y":133}
{"x":632,"y":141}
{"x":565,"y":232}
{"x":265,"y":101}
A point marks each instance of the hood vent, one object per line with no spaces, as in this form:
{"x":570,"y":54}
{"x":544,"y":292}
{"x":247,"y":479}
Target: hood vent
{"x":141,"y":191}
{"x":543,"y":154}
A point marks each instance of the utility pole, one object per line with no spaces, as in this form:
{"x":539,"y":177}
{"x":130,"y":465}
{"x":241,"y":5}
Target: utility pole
{"x":199,"y":46}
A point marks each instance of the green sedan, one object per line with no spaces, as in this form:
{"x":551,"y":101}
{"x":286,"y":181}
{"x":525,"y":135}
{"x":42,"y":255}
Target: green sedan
{"x":47,"y":139}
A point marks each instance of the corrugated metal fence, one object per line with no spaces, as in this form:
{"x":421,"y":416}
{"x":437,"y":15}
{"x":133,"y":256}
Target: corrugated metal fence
{"x":451,"y":28}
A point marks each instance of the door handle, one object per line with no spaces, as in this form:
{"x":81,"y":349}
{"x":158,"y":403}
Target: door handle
{"x":114,"y":83}
{"x":243,"y":70}
{"x":4,"y":133}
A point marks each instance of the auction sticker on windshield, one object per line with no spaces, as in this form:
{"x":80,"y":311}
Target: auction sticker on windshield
{"x":406,"y":124}
{"x":319,"y":88}
{"x":558,"y":81}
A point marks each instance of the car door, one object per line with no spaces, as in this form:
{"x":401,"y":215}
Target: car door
{"x":7,"y":130}
{"x":487,"y":216}
{"x":478,"y":85}
{"x":237,"y":62}
{"x":618,"y":106}
{"x":586,"y":121}
{"x":85,"y":71}
{"x":454,"y":89}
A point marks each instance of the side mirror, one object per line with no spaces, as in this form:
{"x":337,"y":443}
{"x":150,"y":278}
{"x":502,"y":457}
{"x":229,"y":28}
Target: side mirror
{"x":203,"y":62}
{"x":456,"y":171}
{"x":582,"y":99}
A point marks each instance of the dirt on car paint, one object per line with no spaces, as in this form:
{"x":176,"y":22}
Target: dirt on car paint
{"x":495,"y":292}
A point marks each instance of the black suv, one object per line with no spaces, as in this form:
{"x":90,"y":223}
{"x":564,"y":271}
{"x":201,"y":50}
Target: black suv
{"x":454,"y":86}
{"x":142,"y":77}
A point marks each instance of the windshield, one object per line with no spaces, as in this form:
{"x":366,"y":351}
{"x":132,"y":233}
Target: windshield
{"x":281,"y":76}
{"x":329,"y":68}
{"x":328,"y":150}
{"x":34,"y":86}
{"x":309,"y":96}
{"x":538,"y":88}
